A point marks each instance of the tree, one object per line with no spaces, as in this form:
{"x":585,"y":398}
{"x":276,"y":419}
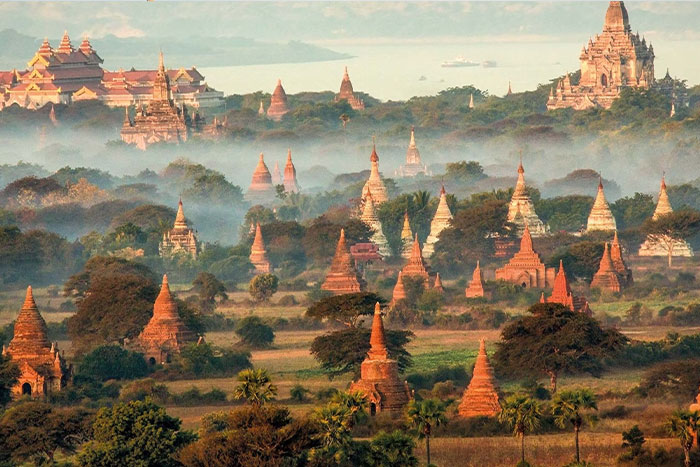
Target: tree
{"x":553,"y":339}
{"x":209,"y":288}
{"x":672,"y":228}
{"x":263,"y":286}
{"x":204,"y":359}
{"x":679,"y":378}
{"x":346,"y":309}
{"x":255,"y":386}
{"x":9,"y":372}
{"x":523,"y":414}
{"x":254,"y":333}
{"x":464,"y":172}
{"x":631,"y":212}
{"x":334,"y":424}
{"x":574,"y":407}
{"x":424,"y":416}
{"x":134,"y":433}
{"x":100,"y":267}
{"x":634,"y":440}
{"x":580,"y":260}
{"x":112,"y":362}
{"x":683,"y":424}
{"x":393,"y":449}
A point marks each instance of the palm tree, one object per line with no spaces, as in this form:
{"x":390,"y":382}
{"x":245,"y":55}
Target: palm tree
{"x":574,"y":407}
{"x":523,"y":413}
{"x":334,"y":423}
{"x":683,"y":424}
{"x":355,"y":401}
{"x":421,"y":199}
{"x":255,"y":386}
{"x":424,"y":415}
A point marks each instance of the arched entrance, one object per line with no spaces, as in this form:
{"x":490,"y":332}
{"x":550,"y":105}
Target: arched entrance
{"x":152,"y":361}
{"x":604,"y":80}
{"x":26,"y":389}
{"x":372,"y":409}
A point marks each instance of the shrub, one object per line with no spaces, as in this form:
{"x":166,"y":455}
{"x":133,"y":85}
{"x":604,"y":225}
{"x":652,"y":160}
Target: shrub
{"x":254,"y":333}
{"x":298,"y":393}
{"x":287,"y":300}
{"x":263,"y":286}
{"x":112,"y":362}
{"x":204,"y":359}
{"x":456,"y":374}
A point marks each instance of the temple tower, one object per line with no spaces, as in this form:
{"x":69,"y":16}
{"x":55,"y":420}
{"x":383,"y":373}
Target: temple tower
{"x":561,"y":293}
{"x":606,"y":278}
{"x":415,"y":265}
{"x":521,"y":210}
{"x":438,"y":283}
{"x":526,"y":268}
{"x":414,"y":165}
{"x":441,"y":221}
{"x":369,"y":217}
{"x":399,"y":290}
{"x":406,"y":237}
{"x":258,"y":253}
{"x":342,"y":277}
{"x":652,"y":247}
{"x":290,"y":175}
{"x":623,"y":272}
{"x":601,"y":218}
{"x":261,"y":189}
{"x":179,"y":239}
{"x":278,"y":103}
{"x":375,"y":183}
{"x":481,"y":399}
{"x":348,"y":94}
{"x":476,"y":285}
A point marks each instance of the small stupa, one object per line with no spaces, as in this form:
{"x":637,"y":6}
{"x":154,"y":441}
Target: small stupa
{"x":471,"y":101}
{"x":399,"y":290}
{"x":348,"y":94}
{"x":475,"y":288}
{"x":415,"y":265}
{"x":526,"y":268}
{"x":290,"y":175}
{"x":481,"y":399}
{"x":521,"y":210}
{"x":258,"y":253}
{"x":261,"y":189}
{"x":375,"y":183}
{"x":438,"y":283}
{"x":414,"y":165}
{"x":406,"y":237}
{"x":623,"y":272}
{"x":369,"y":217}
{"x":561,"y":293}
{"x":342,"y":277}
{"x":278,"y":103}
{"x":441,"y":221}
{"x":379,"y":374}
{"x":180,"y":238}
{"x":601,"y":218}
{"x":261,"y":110}
{"x":606,"y":278}
{"x":654,"y":247}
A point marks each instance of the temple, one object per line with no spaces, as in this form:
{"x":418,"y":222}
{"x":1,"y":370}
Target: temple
{"x":437,"y":285}
{"x":481,"y":399}
{"x":374,"y":182}
{"x":521,"y":210}
{"x":601,"y":217}
{"x":475,"y":288}
{"x":290,"y":175}
{"x":258,"y":253}
{"x":561,"y":294}
{"x":406,"y":237}
{"x":348,"y":94}
{"x":525,"y":268}
{"x":623,"y":272}
{"x":413,"y":165}
{"x":161,"y":121}
{"x":399,"y":292}
{"x":441,"y":221}
{"x":616,"y":59}
{"x":342,"y":277}
{"x":278,"y":103}
{"x":369,"y":217}
{"x":379,"y":374}
{"x":165,"y":335}
{"x":415,"y":265}
{"x":655,"y":247}
{"x":42,"y":368}
{"x":261,"y":189}
{"x":276,"y":175}
{"x":179,"y":239}
{"x":606,"y":278}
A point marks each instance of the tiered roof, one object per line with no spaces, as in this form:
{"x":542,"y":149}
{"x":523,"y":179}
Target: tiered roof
{"x":342,"y":277}
{"x":399,"y":290}
{"x":278,"y":103}
{"x":481,"y":399}
{"x":561,"y":293}
{"x":438,"y":283}
{"x":601,"y":218}
{"x":348,"y":94}
{"x":258,"y":253}
{"x":290,"y":175}
{"x":414,"y":165}
{"x":415,"y":265}
{"x":526,"y":268}
{"x":261,"y":189}
{"x":476,"y":285}
{"x":369,"y":217}
{"x":606,"y":278}
{"x":521,"y":210}
{"x":619,"y":264}
{"x":440,"y":222}
{"x":180,"y":237}
{"x":374,"y":182}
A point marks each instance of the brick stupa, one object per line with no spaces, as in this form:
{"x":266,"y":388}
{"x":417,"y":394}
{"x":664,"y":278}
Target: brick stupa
{"x":526,"y":268}
{"x":42,"y":369}
{"x":521,"y":210}
{"x":561,"y":293}
{"x":348,"y":94}
{"x":290,"y":175}
{"x":165,"y":334}
{"x":261,"y":189}
{"x":374,"y":183}
{"x":623,"y":272}
{"x":441,"y":221}
{"x":406,"y":237}
{"x":343,"y":277}
{"x":179,"y":239}
{"x":414,"y":165}
{"x":399,"y":290}
{"x":379,"y":374}
{"x":606,"y":278}
{"x":438,"y":283}
{"x":601,"y":218}
{"x":415,"y":265}
{"x":369,"y":217}
{"x":258,"y":253}
{"x":481,"y":399}
{"x":278,"y":103}
{"x":475,"y":288}
{"x":654,"y":247}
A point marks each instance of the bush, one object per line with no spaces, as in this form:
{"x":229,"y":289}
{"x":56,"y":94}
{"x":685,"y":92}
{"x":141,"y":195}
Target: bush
{"x":287,"y":300}
{"x":263,"y":286}
{"x":456,"y":374}
{"x":254,"y":333}
{"x":112,"y":362}
{"x":298,"y":393}
{"x":203,"y":360}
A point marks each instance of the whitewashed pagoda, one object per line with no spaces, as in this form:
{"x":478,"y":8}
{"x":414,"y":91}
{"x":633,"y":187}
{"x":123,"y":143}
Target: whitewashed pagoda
{"x":521,"y":210}
{"x":440,"y":222}
{"x":414,"y":165}
{"x":375,"y":184}
{"x":601,"y":217}
{"x":653,"y":247}
{"x":406,"y":237}
{"x":179,"y":239}
{"x":369,"y":217}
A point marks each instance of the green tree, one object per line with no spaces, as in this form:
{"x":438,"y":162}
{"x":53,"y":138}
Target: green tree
{"x":9,"y":372}
{"x":393,"y":449}
{"x":334,"y":423}
{"x":209,"y":288}
{"x":524,"y":415}
{"x":424,"y":416}
{"x":112,"y":362}
{"x":633,"y":439}
{"x":574,"y":407}
{"x":204,"y":359}
{"x":580,"y":260}
{"x":254,"y":333}
{"x":298,"y":393}
{"x":263,"y":286}
{"x":346,"y":309}
{"x":100,"y":267}
{"x":683,"y":424}
{"x":672,"y":228}
{"x":464,"y":172}
{"x":631,"y":212}
{"x":255,"y":386}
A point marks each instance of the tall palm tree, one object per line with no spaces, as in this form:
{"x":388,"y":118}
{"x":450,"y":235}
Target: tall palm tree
{"x":523,"y":413}
{"x":421,"y":199}
{"x":334,"y":423}
{"x":255,"y":386}
{"x":425,"y":415}
{"x":574,"y":407}
{"x":355,"y":401}
{"x":683,"y":424}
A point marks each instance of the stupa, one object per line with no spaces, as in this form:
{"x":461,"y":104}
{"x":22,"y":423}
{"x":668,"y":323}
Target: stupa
{"x":606,"y":278}
{"x":348,"y":94}
{"x":165,"y":334}
{"x":414,"y":165}
{"x":415,"y":265}
{"x":406,"y":237}
{"x":278,"y":103}
{"x":521,"y":210}
{"x":441,"y":221}
{"x":375,"y":183}
{"x":476,"y":285}
{"x":379,"y":374}
{"x":42,"y":368}
{"x":179,"y":239}
{"x":561,"y":293}
{"x":369,"y":217}
{"x":261,"y":110}
{"x":261,"y":189}
{"x":399,"y":290}
{"x":342,"y":277}
{"x":481,"y":399}
{"x":525,"y":268}
{"x":471,"y":101}
{"x":438,"y":283}
{"x":655,"y":247}
{"x":623,"y":272}
{"x":600,"y":218}
{"x":290,"y":175}
{"x":258,"y":253}
{"x":276,"y":175}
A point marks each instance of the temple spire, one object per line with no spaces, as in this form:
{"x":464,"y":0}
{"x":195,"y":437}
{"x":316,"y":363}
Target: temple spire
{"x":481,"y":396}
{"x":165,"y":306}
{"x":377,"y":340}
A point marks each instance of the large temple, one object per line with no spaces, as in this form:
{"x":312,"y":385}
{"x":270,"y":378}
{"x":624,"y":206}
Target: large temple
{"x":481,"y":398}
{"x":379,"y":374}
{"x":261,"y":189}
{"x":290,"y":175}
{"x":258,"y":253}
{"x":561,"y":294}
{"x":342,"y":277}
{"x":348,"y":94}
{"x":278,"y":103}
{"x":369,"y":217}
{"x":526,"y":268}
{"x":521,"y":210}
{"x":615,"y":59}
{"x":601,"y":217}
{"x":179,"y":239}
{"x":441,"y":221}
{"x":374,"y":183}
{"x":414,"y":165}
{"x":42,"y":368}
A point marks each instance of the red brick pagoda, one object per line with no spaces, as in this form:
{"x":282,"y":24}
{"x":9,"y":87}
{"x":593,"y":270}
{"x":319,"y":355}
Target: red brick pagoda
{"x":258,"y":253}
{"x":348,"y":94}
{"x":561,"y":293}
{"x":526,"y":268}
{"x":278,"y":103}
{"x":481,"y":399}
{"x":343,"y":277}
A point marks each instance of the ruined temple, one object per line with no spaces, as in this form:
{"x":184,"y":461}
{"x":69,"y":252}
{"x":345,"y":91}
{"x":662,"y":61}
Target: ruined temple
{"x":606,"y":278}
{"x":278,"y":103}
{"x":342,"y":277}
{"x":414,"y":165}
{"x":179,"y":239}
{"x":258,"y":253}
{"x":441,"y":221}
{"x":526,"y":268}
{"x":481,"y":398}
{"x":561,"y":293}
{"x":655,"y":247}
{"x":476,"y":285}
{"x":348,"y":94}
{"x":374,"y":182}
{"x":261,"y":189}
{"x":601,"y":217}
{"x":521,"y":210}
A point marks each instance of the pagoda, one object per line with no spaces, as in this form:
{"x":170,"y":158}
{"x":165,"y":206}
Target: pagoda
{"x":481,"y":399}
{"x":526,"y":268}
{"x":276,"y":175}
{"x":414,"y":165}
{"x":258,"y":253}
{"x":342,"y":277}
{"x":179,"y":239}
{"x":476,"y":285}
{"x":623,"y":272}
{"x":654,"y":247}
{"x":521,"y":210}
{"x":415,"y":265}
{"x":261,"y":189}
{"x":290,"y":175}
{"x":375,"y":183}
{"x":379,"y":374}
{"x":606,"y":278}
{"x":348,"y":94}
{"x":601,"y":218}
{"x":42,"y":368}
{"x":614,"y":60}
{"x":441,"y":221}
{"x":278,"y":103}
{"x":162,"y":121}
{"x":166,"y":334}
{"x":261,"y":110}
{"x":438,"y":283}
{"x":399,"y":292}
{"x":406,"y":237}
{"x":561,"y":293}
{"x":369,"y":217}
